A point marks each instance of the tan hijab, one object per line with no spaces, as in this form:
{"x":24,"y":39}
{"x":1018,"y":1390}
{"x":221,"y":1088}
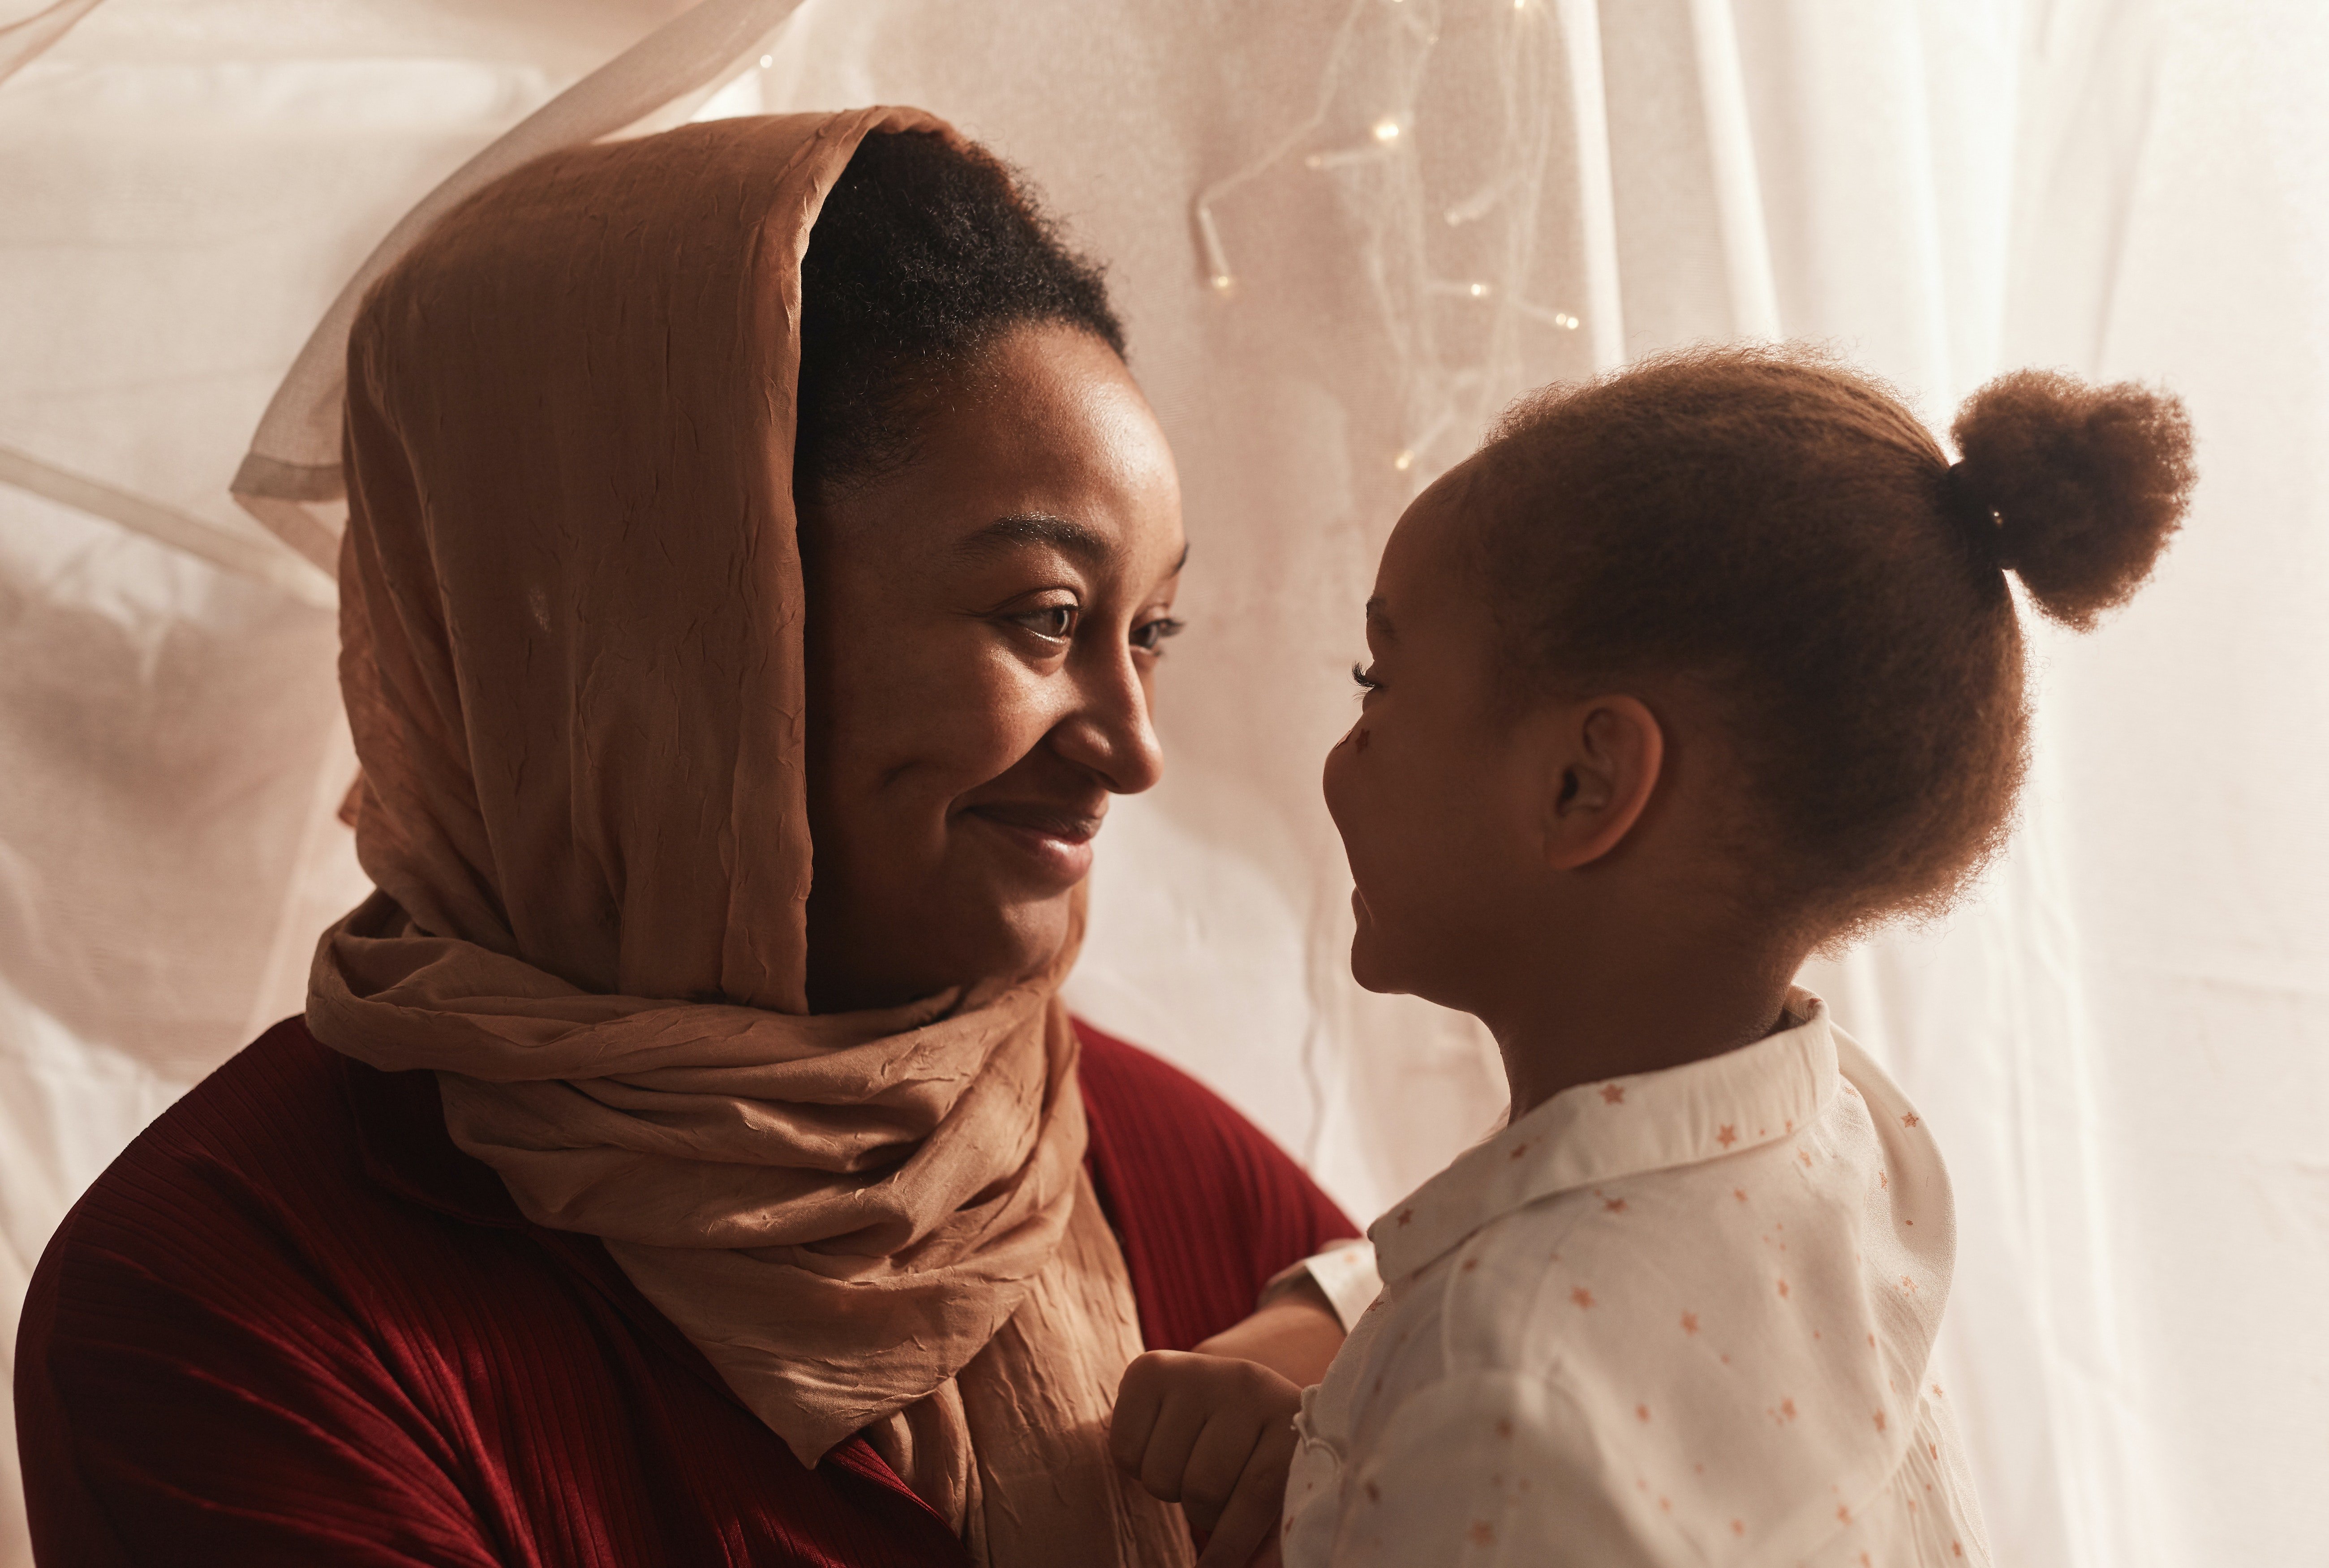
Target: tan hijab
{"x":571,"y":611}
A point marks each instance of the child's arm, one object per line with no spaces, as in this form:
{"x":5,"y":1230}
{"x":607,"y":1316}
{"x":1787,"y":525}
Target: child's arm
{"x":1294,"y":1333}
{"x":1216,"y":1435}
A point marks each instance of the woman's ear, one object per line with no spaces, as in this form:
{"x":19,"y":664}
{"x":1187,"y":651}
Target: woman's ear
{"x":1604,"y":766}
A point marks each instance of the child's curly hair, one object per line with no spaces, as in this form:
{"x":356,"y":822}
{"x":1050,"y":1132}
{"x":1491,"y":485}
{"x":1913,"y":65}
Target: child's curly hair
{"x":1779,"y":532}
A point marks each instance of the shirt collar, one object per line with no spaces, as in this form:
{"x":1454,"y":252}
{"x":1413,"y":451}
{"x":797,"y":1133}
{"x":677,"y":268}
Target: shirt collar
{"x":1619,"y":1127}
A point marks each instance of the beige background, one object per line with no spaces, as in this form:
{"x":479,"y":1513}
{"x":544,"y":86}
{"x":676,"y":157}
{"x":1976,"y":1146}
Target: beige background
{"x":2121,"y":1045}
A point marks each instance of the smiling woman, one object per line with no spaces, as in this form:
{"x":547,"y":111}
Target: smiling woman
{"x":991,"y":535}
{"x":686,"y":1156}
{"x":980,"y":681}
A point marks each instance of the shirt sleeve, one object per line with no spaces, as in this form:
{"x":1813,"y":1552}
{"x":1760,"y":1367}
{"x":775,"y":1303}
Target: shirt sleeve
{"x":1496,"y":1469}
{"x":1345,"y":1272}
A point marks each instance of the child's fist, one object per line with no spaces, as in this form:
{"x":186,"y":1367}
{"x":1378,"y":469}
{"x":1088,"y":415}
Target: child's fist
{"x":1215,"y":1435}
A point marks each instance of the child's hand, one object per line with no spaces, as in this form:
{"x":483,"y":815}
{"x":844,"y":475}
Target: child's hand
{"x":1215,"y":1435}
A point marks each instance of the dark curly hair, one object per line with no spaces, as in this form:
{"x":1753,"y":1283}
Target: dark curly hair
{"x":926,"y":252}
{"x":1779,"y":531}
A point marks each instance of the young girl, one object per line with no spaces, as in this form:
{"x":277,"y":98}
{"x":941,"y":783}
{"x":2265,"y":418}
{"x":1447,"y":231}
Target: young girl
{"x":1686,"y":674}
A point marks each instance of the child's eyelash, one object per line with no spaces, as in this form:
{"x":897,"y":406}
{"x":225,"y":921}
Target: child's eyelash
{"x":1366,"y":681}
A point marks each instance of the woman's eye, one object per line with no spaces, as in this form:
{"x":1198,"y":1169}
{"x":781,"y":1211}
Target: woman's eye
{"x":1056,"y":622}
{"x":1149,"y":636}
{"x":1366,"y":683}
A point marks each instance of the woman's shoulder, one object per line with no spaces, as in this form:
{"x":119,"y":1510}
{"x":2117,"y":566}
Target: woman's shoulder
{"x":1144,"y":1111}
{"x":1207,"y":1208}
{"x":242,"y":1221}
{"x":1118,"y":1076}
{"x":197,"y":1304}
{"x":292,"y":1180}
{"x":233,"y":1161}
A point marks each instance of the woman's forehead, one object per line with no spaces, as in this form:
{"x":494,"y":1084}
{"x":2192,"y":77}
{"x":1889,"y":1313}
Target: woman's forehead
{"x":1050,"y":447}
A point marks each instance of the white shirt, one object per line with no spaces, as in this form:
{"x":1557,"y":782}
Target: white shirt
{"x":1677,"y":1317}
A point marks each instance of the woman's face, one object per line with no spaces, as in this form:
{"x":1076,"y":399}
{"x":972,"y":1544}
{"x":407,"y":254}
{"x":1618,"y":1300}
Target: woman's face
{"x":983,"y":628}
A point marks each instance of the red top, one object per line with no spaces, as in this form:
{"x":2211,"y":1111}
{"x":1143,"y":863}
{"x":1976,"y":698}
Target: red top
{"x":294,"y":1324}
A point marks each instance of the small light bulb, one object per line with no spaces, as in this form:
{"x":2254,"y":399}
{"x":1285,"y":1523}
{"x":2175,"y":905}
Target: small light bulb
{"x":1386,"y":129}
{"x":1567,"y":320}
{"x":767,"y":61}
{"x":1222,"y":282}
{"x":1479,"y":291}
{"x":1403,"y":462}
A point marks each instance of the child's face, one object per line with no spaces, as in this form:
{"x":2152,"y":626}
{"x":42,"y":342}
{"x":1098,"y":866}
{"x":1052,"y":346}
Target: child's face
{"x":1431,"y":804}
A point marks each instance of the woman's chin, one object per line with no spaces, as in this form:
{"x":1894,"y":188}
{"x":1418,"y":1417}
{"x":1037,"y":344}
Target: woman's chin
{"x":1017,"y":937}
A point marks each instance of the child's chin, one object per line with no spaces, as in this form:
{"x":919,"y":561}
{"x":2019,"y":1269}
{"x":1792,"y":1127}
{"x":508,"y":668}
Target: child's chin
{"x":1370,"y":966}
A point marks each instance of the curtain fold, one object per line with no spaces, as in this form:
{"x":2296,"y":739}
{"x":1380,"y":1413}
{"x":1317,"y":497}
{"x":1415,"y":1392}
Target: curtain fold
{"x":290,"y":480}
{"x":22,"y":41}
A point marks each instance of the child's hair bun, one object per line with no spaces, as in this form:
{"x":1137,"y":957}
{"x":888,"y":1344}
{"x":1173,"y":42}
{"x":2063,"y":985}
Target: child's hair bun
{"x":2085,"y":484}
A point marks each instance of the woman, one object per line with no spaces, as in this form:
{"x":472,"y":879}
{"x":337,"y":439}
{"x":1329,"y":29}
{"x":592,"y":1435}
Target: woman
{"x":628,"y":1193}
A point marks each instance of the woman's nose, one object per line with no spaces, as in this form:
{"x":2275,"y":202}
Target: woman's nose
{"x":1110,"y":733}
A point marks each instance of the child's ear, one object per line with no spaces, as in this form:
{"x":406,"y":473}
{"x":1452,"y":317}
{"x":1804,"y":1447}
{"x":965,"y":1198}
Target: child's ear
{"x":1605,"y":762}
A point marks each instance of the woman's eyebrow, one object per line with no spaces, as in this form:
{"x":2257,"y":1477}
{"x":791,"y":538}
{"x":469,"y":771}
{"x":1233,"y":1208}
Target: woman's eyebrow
{"x":1378,"y":618}
{"x":1081,"y":540}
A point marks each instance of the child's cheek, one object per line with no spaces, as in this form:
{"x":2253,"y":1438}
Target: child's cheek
{"x":1354,"y":795}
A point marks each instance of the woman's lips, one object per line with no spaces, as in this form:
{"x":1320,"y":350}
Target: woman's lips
{"x":1055,"y":843}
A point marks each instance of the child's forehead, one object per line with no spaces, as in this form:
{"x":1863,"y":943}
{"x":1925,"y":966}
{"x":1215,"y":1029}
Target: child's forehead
{"x":1427,"y":539}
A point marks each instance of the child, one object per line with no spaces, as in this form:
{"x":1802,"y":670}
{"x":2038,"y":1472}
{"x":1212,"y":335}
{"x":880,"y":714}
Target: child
{"x":1686,"y":674}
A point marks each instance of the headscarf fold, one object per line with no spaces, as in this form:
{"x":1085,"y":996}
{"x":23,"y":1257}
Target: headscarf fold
{"x":571,"y":652}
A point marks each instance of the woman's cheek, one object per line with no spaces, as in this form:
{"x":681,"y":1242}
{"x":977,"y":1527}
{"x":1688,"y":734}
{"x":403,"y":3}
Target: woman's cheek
{"x":990,"y":724}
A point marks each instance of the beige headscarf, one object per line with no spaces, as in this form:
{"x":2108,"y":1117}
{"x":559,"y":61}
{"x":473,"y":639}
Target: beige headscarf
{"x":571,"y":653}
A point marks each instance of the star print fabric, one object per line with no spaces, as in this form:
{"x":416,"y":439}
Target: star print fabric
{"x":1679,"y":1318}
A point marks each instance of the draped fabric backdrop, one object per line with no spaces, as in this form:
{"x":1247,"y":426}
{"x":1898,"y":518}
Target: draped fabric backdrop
{"x":1345,"y":232}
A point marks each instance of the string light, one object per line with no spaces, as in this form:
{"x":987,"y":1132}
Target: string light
{"x":1217,"y":257}
{"x":1378,"y":169}
{"x":1560,"y":318}
{"x":1482,"y":201}
{"x":767,"y":61}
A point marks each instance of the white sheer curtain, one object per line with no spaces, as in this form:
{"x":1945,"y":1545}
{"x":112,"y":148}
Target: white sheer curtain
{"x":1345,"y":231}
